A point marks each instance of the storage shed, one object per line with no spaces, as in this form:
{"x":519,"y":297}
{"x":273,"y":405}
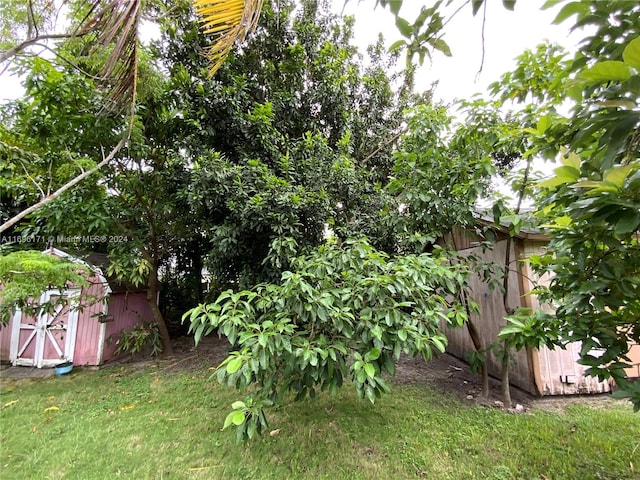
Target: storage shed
{"x":540,"y":372}
{"x":82,"y":331}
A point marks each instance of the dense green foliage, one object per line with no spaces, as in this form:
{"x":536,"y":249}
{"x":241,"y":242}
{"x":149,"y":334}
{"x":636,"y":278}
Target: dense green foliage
{"x":592,"y":204}
{"x":343,"y":311}
{"x":302,"y":127}
{"x":24,"y":275}
{"x":590,"y":207}
{"x":48,"y":136}
{"x":438,"y":176}
{"x":297,"y":137}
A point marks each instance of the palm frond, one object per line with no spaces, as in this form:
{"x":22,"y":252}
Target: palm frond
{"x":117,"y":22}
{"x":230,"y":20}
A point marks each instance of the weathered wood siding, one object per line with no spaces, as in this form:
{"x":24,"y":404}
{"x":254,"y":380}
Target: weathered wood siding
{"x":634,"y":356}
{"x":492,"y":313}
{"x":557,"y":371}
{"x":544,"y":371}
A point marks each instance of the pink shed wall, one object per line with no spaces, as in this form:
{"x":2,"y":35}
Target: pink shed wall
{"x":558,"y":371}
{"x":126,"y":309}
{"x":5,"y":341}
{"x":95,"y":341}
{"x":88,"y":328}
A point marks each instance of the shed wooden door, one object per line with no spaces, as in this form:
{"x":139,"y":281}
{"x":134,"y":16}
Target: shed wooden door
{"x":48,"y":339}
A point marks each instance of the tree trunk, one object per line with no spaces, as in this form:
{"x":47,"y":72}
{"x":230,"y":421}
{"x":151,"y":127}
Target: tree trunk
{"x":504,"y":377}
{"x":196,"y":270}
{"x":152,"y":298}
{"x":485,"y":380}
{"x":477,"y":345}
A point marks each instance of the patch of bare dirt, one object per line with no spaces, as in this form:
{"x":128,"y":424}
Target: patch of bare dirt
{"x":449,"y":374}
{"x":445,"y":373}
{"x":209,"y":353}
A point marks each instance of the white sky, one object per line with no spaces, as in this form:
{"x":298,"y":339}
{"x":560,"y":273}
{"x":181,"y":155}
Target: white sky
{"x":507,"y":34}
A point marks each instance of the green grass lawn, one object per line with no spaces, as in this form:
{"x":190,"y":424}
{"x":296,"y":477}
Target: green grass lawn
{"x":149,"y":424}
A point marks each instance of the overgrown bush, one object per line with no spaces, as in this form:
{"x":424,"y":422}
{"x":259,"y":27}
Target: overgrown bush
{"x":141,"y":338}
{"x":344,"y":311}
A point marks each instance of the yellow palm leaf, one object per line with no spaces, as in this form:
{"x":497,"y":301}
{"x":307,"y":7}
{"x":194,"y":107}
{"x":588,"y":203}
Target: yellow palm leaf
{"x":230,"y":20}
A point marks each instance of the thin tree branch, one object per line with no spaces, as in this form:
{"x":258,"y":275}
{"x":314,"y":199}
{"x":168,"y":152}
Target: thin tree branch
{"x":159,"y":17}
{"x":50,"y":177}
{"x":31,"y":178}
{"x":12,"y":52}
{"x":484,"y":24}
{"x":31,"y":22}
{"x":391,"y":140}
{"x":69,"y":62}
{"x":455,"y":13}
{"x":15,"y":219}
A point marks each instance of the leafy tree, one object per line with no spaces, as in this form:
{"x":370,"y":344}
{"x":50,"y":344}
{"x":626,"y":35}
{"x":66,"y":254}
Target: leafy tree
{"x":302,"y":130}
{"x":593,"y":202}
{"x":439,"y":174}
{"x":342,"y":311}
{"x":109,"y":29}
{"x":50,"y":136}
{"x":426,"y":34}
{"x":590,"y":206}
{"x":60,"y":118}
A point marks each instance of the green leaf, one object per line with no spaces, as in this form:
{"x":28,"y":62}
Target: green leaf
{"x":442,"y":46}
{"x":571,"y":160}
{"x":394,"y":6}
{"x":617,"y":175}
{"x":606,"y":71}
{"x":543,"y":124}
{"x":631,"y":53}
{"x":370,"y":393}
{"x":370,"y":369}
{"x":376,"y":331}
{"x":567,"y":173}
{"x":550,"y":4}
{"x":559,"y":222}
{"x":422,"y":17}
{"x":229,"y":420}
{"x":475,"y":5}
{"x":404,"y":26}
{"x":438,"y":344}
{"x":588,"y":184}
{"x":373,"y":354}
{"x":628,"y":223}
{"x":238,"y":405}
{"x":509,"y":4}
{"x":497,"y":213}
{"x":234,"y":365}
{"x":395,"y":46}
{"x":238,"y":418}
{"x":569,"y":9}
